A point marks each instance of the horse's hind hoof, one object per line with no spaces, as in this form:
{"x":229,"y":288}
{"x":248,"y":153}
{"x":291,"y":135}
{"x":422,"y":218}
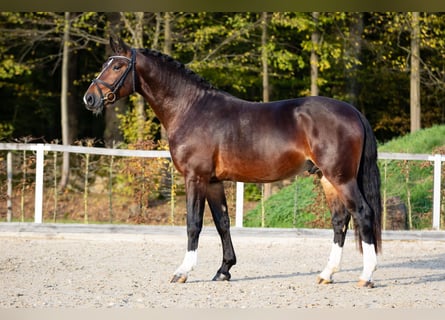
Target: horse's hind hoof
{"x":365,"y":284}
{"x":222,"y":277}
{"x":320,"y":280}
{"x":178,"y":278}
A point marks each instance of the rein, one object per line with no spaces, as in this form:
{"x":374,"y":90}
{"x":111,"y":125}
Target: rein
{"x":112,"y":95}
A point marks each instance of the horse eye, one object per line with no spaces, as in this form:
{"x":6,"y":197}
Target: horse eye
{"x":116,"y":67}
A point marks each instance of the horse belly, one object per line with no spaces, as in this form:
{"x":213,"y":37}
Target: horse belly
{"x":260,"y":168}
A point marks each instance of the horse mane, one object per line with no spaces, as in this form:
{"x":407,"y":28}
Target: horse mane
{"x":178,"y":66}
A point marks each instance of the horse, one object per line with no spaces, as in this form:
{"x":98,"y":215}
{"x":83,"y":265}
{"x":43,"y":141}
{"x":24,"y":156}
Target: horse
{"x":214,"y":137}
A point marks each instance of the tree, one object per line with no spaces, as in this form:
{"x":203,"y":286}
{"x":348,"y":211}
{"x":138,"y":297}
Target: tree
{"x":353,"y":50}
{"x":265,"y":56}
{"x":134,"y":23}
{"x":264,"y":61}
{"x":363,"y":58}
{"x":64,"y":101}
{"x":315,"y":38}
{"x":415,"y":73}
{"x":168,"y":42}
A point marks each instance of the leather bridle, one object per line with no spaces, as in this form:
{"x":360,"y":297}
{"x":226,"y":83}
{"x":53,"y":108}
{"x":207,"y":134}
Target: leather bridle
{"x":112,"y":96}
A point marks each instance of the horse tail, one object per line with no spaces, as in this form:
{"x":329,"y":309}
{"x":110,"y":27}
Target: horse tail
{"x":369,"y":183}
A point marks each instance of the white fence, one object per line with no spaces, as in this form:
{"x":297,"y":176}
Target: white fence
{"x":41,"y":148}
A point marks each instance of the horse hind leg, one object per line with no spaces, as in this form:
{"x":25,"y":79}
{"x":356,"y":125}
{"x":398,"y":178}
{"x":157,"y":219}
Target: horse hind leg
{"x":340,"y":221}
{"x":363,"y":221}
{"x":218,"y":206}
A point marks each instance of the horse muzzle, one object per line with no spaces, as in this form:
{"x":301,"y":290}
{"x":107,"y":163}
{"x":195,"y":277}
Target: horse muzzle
{"x":93,"y":102}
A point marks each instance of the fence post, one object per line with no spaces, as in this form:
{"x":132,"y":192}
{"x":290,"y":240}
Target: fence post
{"x":9,"y":187}
{"x":239,"y":204}
{"x":436,"y":192}
{"x":39,"y":184}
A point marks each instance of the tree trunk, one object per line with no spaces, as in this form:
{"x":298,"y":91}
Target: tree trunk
{"x":64,"y":102}
{"x":415,"y":73}
{"x":264,"y":60}
{"x":353,"y":52}
{"x":167,"y":50}
{"x":264,"y":57}
{"x":155,"y":43}
{"x":138,"y":38}
{"x":73,"y":100}
{"x":315,"y":38}
{"x":167,"y":34}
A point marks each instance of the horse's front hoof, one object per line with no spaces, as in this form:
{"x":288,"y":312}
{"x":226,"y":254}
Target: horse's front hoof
{"x":222,"y":277}
{"x":178,"y":278}
{"x":320,"y":280}
{"x":365,"y":284}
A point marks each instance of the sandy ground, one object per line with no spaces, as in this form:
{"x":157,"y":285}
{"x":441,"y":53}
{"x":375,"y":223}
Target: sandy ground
{"x":132,"y":270}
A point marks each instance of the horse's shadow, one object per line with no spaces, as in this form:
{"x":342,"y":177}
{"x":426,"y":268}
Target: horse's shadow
{"x":276,"y":276}
{"x":434,"y":263}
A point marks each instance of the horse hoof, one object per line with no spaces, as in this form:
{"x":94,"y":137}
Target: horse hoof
{"x":320,"y":280}
{"x":222,"y":277}
{"x":365,"y":284}
{"x":178,"y":279}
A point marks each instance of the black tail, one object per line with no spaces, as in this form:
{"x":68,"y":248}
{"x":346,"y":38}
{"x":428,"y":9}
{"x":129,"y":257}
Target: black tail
{"x":369,"y":182}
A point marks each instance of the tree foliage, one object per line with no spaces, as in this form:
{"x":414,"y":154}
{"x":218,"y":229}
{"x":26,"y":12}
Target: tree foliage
{"x":363,"y":58}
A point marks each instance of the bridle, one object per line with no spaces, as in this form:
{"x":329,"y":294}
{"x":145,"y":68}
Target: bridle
{"x":111,"y":96}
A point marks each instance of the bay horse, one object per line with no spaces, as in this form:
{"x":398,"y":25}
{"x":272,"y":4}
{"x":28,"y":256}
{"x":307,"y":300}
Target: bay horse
{"x":214,"y":136}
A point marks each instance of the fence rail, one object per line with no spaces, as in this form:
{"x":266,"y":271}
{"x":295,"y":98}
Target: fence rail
{"x":40,"y":149}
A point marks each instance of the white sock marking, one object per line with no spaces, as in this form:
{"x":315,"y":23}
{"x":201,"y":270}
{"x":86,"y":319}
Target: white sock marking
{"x":334,"y":262}
{"x":369,"y":261}
{"x":189,"y":262}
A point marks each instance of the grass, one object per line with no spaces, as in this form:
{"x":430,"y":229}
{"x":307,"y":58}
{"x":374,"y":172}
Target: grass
{"x":287,"y":208}
{"x":422,"y":141}
{"x":412,"y":181}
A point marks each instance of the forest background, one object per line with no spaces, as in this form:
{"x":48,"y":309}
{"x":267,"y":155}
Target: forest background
{"x":389,"y":65}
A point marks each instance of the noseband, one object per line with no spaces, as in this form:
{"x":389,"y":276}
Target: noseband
{"x":111,"y":96}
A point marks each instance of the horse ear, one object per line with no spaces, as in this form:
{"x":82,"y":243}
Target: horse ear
{"x":119,"y":47}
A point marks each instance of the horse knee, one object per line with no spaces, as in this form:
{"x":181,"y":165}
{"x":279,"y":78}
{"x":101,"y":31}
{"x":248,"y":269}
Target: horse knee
{"x":193,"y":230}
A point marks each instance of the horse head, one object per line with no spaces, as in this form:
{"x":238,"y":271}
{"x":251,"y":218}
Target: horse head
{"x":112,"y":82}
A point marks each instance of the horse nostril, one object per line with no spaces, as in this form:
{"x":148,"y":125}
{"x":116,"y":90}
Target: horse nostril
{"x":89,"y":99}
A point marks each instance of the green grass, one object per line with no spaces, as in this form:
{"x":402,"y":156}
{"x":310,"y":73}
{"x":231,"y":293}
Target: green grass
{"x":422,"y":141}
{"x":411,"y":181}
{"x":287,"y":208}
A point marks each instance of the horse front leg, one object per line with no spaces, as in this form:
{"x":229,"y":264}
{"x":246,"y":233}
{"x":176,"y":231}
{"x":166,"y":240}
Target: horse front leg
{"x":195,"y":197}
{"x":218,"y":205}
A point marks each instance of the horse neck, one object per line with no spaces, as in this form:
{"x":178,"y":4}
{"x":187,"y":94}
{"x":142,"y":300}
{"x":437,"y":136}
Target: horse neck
{"x":169,"y":94}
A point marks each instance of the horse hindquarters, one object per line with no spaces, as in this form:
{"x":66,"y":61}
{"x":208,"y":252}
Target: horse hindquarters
{"x":352,"y":189}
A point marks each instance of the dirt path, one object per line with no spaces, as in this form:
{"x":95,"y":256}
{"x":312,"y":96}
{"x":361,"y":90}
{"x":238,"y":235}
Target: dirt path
{"x":47,"y":269}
